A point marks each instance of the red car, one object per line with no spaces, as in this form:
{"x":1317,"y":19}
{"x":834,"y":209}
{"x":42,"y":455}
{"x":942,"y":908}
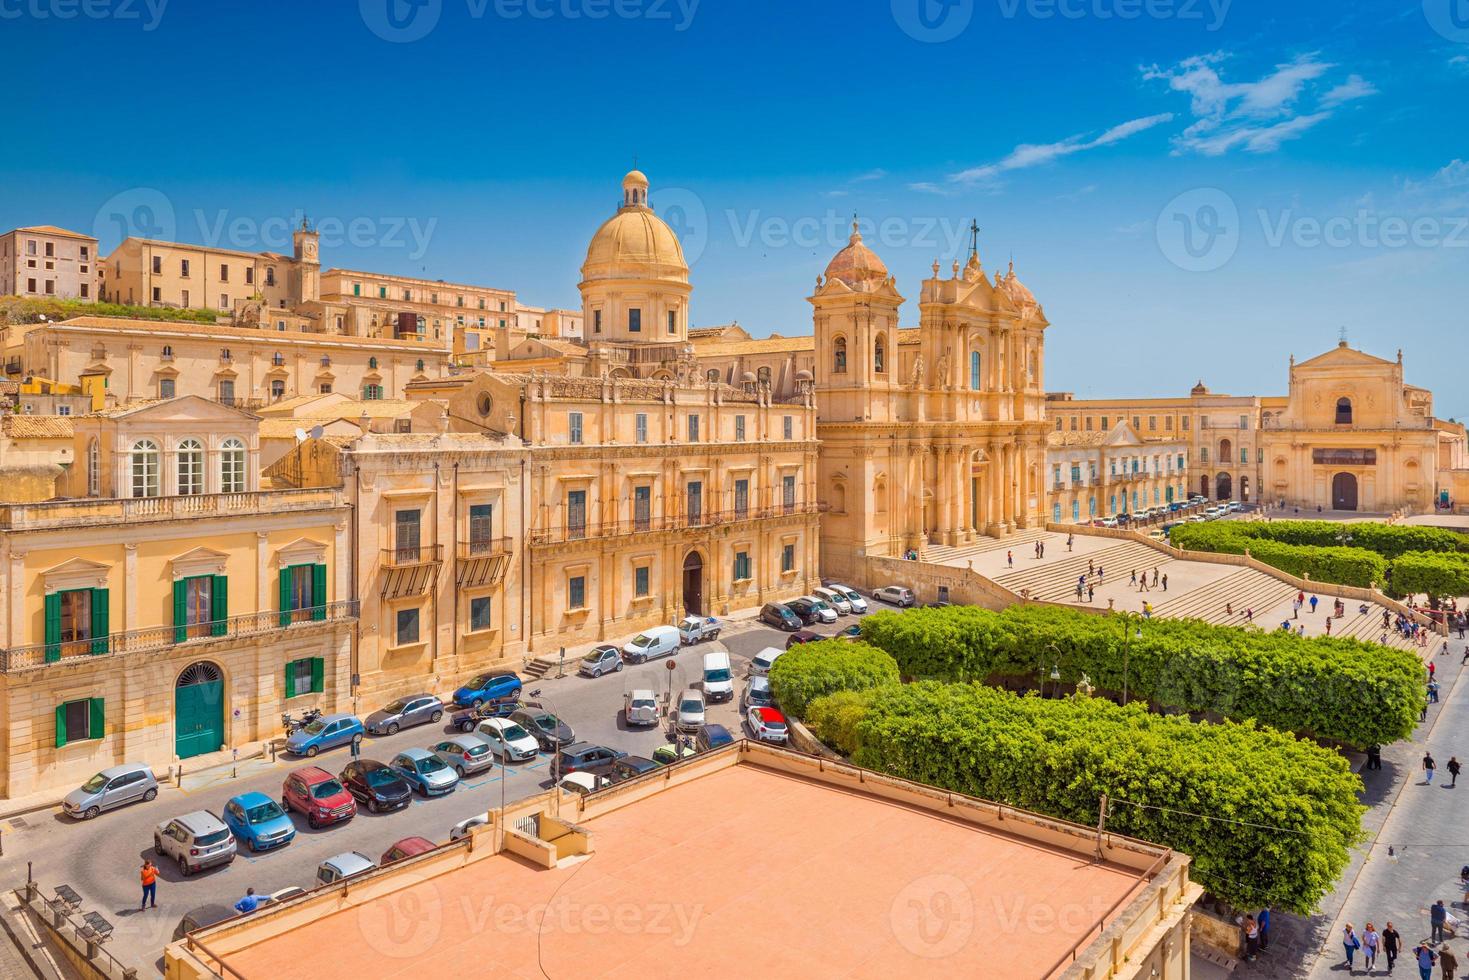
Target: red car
{"x":767,"y":725}
{"x":406,"y":848}
{"x":318,"y":795}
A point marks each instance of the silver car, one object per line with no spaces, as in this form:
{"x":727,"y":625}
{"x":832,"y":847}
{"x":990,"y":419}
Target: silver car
{"x":196,"y":841}
{"x":466,"y":754}
{"x":690,"y":710}
{"x":343,"y":865}
{"x":757,"y":692}
{"x":110,"y":788}
{"x":896,"y":594}
{"x":415,"y":709}
{"x":425,"y":771}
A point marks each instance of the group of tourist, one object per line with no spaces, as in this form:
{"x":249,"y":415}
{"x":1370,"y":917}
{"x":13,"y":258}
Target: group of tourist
{"x":1432,"y":952}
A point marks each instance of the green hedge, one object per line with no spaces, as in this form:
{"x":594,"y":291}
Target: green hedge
{"x":810,"y":670}
{"x":1434,"y":574}
{"x":1332,"y":688}
{"x":1387,"y":540}
{"x":15,"y":309}
{"x":1059,"y":757}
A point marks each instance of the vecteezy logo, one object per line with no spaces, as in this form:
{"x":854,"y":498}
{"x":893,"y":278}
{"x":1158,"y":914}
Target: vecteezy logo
{"x":933,"y":21}
{"x":1198,"y":230}
{"x":933,"y":916}
{"x":684,"y":212}
{"x":138,"y":212}
{"x":1450,"y":18}
{"x":405,"y":924}
{"x":401,"y":21}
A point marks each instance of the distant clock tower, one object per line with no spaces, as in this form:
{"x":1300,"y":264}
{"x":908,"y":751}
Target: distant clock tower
{"x":308,"y":262}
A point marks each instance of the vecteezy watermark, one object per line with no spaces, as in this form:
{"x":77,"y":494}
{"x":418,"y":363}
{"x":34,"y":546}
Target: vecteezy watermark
{"x":1450,"y":18}
{"x":138,"y":212}
{"x":1210,"y":12}
{"x":406,"y":923}
{"x":147,"y":13}
{"x":933,"y":916}
{"x":405,"y":21}
{"x":1198,"y":230}
{"x":832,"y":230}
{"x":685,"y":213}
{"x":933,"y":21}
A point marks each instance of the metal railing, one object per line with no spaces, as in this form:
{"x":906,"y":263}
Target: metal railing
{"x":485,"y":547}
{"x":675,"y":522}
{"x":38,"y":655}
{"x":100,"y":510}
{"x":410,"y":555}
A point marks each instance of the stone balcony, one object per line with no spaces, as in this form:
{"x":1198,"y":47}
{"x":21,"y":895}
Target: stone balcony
{"x":91,"y":511}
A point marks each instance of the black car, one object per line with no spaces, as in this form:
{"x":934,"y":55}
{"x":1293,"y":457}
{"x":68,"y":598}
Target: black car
{"x":711,"y":737}
{"x":802,"y":636}
{"x":549,"y":731}
{"x":774,"y":614}
{"x":580,"y":756}
{"x":628,"y":767}
{"x":202,"y":918}
{"x":468,"y":719}
{"x":376,"y":786}
{"x":805,"y":611}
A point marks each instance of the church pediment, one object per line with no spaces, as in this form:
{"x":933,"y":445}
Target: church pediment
{"x":75,"y":573}
{"x":1343,"y":356}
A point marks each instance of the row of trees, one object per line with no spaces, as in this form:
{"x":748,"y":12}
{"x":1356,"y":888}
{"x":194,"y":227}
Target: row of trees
{"x":1387,"y":540}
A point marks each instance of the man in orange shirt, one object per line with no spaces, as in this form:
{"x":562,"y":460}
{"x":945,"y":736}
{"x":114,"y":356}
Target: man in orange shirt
{"x":150,"y":885}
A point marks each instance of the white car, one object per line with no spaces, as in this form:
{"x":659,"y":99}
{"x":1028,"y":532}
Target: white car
{"x":824,"y":612}
{"x":582,"y":782}
{"x":640,"y":707}
{"x":855,"y":600}
{"x":466,"y":826}
{"x":508,"y":740}
{"x":690,"y":715}
{"x":760,"y":663}
{"x":834,"y":599}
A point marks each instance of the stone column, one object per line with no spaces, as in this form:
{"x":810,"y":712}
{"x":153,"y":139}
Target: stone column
{"x":129,"y":588}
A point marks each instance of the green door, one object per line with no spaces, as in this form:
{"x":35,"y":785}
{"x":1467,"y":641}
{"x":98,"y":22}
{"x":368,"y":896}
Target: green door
{"x":198,"y":710}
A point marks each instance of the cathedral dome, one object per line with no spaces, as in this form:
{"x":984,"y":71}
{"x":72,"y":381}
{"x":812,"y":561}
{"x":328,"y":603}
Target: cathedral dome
{"x":635,"y":243}
{"x":857,"y":265}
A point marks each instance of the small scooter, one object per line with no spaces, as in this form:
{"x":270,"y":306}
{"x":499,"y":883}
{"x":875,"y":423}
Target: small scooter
{"x":293,"y":724}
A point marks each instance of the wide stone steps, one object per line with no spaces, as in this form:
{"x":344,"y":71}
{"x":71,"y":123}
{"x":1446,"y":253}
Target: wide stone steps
{"x":943,"y":554}
{"x":1056,"y":578}
{"x":1241,"y":590}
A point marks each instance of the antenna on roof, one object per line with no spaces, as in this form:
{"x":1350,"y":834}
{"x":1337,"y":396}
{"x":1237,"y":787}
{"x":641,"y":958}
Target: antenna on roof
{"x":1344,"y":336}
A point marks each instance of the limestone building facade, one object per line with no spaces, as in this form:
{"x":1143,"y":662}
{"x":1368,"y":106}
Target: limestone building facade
{"x":1098,"y":474}
{"x":48,"y":262}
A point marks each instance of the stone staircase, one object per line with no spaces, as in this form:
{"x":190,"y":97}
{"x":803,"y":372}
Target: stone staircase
{"x":1242,"y":589}
{"x":1055,"y":579}
{"x":1022,"y":541}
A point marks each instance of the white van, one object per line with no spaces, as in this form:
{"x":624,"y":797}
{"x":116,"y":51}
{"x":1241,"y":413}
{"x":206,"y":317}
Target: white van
{"x":718,"y":680}
{"x":760,"y":664}
{"x":655,"y":641}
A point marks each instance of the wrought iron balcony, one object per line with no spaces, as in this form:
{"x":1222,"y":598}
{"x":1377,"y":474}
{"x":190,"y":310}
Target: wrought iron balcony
{"x":409,"y":570}
{"x":677,"y":522}
{"x":482,"y":562}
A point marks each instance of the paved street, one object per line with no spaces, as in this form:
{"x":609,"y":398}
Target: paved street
{"x":101,"y":858}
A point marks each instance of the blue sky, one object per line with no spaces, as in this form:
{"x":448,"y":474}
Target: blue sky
{"x":1192,"y":188}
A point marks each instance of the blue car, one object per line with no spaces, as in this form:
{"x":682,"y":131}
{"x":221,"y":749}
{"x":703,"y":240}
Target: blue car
{"x":258,"y":822}
{"x":326,"y":732}
{"x":500,"y":685}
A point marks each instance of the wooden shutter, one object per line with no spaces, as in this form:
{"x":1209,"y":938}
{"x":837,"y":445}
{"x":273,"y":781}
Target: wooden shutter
{"x":318,"y":669}
{"x":290,"y":681}
{"x":99,"y":718}
{"x":285,"y":594}
{"x":180,"y":610}
{"x":318,"y":592}
{"x":219,"y":606}
{"x":60,"y":721}
{"x":53,"y":635}
{"x":100,"y":628}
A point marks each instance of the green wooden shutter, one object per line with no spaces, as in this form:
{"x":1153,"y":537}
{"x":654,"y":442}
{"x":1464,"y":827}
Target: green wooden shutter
{"x":99,"y":718}
{"x":290,"y":681}
{"x":219,"y":606}
{"x":53,"y":633}
{"x":318,"y":592}
{"x":60,"y":722}
{"x":100,"y":628}
{"x":318,"y":670}
{"x":180,"y":610}
{"x":285,"y":590}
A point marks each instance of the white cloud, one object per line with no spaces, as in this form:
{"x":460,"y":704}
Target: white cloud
{"x":1460,"y":61}
{"x":877,"y":173}
{"x":1355,"y":87}
{"x":1035,"y":154}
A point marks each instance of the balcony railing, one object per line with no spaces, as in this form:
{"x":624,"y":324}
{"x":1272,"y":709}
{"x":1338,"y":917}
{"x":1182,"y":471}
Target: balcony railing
{"x":165,"y":637}
{"x":677,"y":522}
{"x":108,"y":510}
{"x":404,"y":557}
{"x":482,"y":562}
{"x":485,"y":547}
{"x":409,"y":570}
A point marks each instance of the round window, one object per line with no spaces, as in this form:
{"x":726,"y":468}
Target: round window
{"x":484,"y":404}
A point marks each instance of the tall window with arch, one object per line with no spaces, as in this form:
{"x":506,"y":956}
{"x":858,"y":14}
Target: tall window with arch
{"x":1343,"y":411}
{"x":879,"y":356}
{"x":763,"y":376}
{"x":232,"y":466}
{"x":191,"y":467}
{"x":975,"y":365}
{"x":839,"y":356}
{"x":144,"y":464}
{"x":94,"y":469}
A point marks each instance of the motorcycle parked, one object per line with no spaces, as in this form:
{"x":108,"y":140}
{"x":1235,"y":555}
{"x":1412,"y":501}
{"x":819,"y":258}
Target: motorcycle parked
{"x":292,"y":724}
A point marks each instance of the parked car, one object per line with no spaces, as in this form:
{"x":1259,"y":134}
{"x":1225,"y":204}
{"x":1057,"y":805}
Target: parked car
{"x":697,"y":629}
{"x":655,"y":641}
{"x":640,"y":707}
{"x":666,"y":754}
{"x":378,"y":787}
{"x":415,"y":709}
{"x":406,"y":848}
{"x":113,"y":787}
{"x":497,"y":686}
{"x":853,"y":597}
{"x":940,"y":604}
{"x":711,"y":737}
{"x":690,"y":714}
{"x":621,"y":770}
{"x":718,"y":678}
{"x":777,"y":615}
{"x":834,"y":599}
{"x":760,"y":663}
{"x":805,"y":610}
{"x":896,"y":595}
{"x":425,"y":772}
{"x":202,"y":917}
{"x":580,"y":756}
{"x":802,"y":636}
{"x":466,"y":754}
{"x":853,"y":632}
{"x":757,"y":692}
{"x":343,"y":865}
{"x":583,"y":782}
{"x":467,"y":719}
{"x":508,"y":740}
{"x":319,"y":795}
{"x":258,"y":822}
{"x":326,"y":732}
{"x":196,"y":841}
{"x":549,"y":731}
{"x":825,"y":611}
{"x":604,"y":658}
{"x":766,"y":725}
{"x":466,"y":826}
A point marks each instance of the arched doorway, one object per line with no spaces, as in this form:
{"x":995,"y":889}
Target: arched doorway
{"x":1204,"y":486}
{"x":198,"y":710}
{"x":1244,"y":489}
{"x":693,"y":584}
{"x":1222,"y":486}
{"x":1344,"y":492}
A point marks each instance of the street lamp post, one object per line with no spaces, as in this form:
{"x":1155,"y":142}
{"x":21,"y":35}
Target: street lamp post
{"x":1127,"y":633}
{"x":1055,"y":674}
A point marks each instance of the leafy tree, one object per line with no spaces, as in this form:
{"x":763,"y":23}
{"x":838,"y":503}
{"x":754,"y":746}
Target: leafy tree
{"x":809,"y":670}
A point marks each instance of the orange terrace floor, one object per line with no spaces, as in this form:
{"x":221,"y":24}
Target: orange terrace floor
{"x":746,"y":871}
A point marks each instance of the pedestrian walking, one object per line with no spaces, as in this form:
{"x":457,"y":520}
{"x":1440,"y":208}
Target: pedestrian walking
{"x":1370,"y":942}
{"x":1448,"y":962}
{"x":1249,"y":615}
{"x":1428,"y":766}
{"x":1264,"y":919}
{"x":1100,"y":573}
{"x":1147,"y":610}
{"x":1313,"y":604}
{"x":1155,"y":578}
{"x":1037,"y":549}
{"x":1091,"y":591}
{"x":1350,"y":943}
{"x":249,"y":903}
{"x":149,"y":877}
{"x":1010,"y":558}
{"x":1432,"y":669}
{"x":1392,"y":944}
{"x":1091,"y":567}
{"x":1301,"y":597}
{"x":1374,"y":756}
{"x":1229,"y":609}
{"x":1252,"y":938}
{"x":1070,"y":540}
{"x":1078,"y":591}
{"x":1437,"y":916}
{"x":1426,"y":957}
{"x":1133,"y":581}
{"x":1165,"y":583}
{"x":1328,"y":625}
{"x":1433,"y":692}
{"x":1043,"y":549}
{"x":1295,"y":609}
